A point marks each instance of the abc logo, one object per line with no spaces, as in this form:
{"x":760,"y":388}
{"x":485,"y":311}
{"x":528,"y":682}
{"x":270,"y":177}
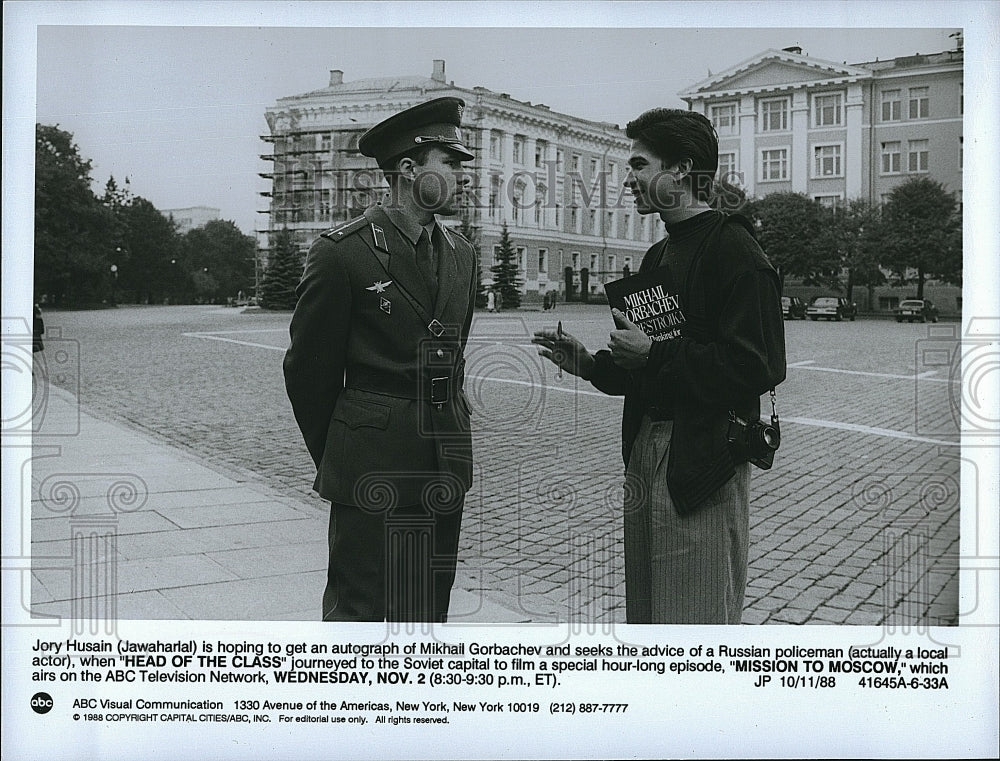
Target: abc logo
{"x":41,"y":702}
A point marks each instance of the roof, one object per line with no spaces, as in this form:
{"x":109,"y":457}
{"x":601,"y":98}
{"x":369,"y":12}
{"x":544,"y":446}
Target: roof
{"x":377,"y":84}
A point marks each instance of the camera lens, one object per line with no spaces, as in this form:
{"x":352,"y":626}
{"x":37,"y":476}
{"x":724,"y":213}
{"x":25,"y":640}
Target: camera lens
{"x":770,"y":436}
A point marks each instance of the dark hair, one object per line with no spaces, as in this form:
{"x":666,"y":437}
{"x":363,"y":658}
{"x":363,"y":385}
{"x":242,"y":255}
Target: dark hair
{"x":674,"y":134}
{"x":418,"y":153}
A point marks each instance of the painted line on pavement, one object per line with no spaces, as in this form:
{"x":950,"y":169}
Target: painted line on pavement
{"x":812,"y":422}
{"x":924,"y":376}
{"x":212,"y":337}
{"x":868,"y":430}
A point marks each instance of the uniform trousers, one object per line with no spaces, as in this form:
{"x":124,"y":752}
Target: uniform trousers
{"x":395,"y":564}
{"x":688,"y":569}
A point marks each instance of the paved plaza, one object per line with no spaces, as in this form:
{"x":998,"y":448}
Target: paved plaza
{"x":169,"y":479}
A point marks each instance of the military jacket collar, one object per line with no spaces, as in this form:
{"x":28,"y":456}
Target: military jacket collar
{"x":396,"y":249}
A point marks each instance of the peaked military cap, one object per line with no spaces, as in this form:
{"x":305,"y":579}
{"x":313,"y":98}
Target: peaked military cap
{"x":435,"y":122}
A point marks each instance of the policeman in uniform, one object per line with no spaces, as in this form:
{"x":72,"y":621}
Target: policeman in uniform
{"x":375,"y":375}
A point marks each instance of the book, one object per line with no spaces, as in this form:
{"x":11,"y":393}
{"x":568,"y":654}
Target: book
{"x":650,"y":301}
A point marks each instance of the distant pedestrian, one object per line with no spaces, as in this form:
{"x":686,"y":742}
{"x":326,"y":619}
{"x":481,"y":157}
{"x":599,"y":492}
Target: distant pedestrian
{"x":687,"y":520}
{"x":38,"y":330}
{"x":375,"y":373}
{"x":491,"y":301}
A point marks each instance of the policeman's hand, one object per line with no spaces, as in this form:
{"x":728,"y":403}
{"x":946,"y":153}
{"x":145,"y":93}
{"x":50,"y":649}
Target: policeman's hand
{"x":565,"y":351}
{"x":629,"y":344}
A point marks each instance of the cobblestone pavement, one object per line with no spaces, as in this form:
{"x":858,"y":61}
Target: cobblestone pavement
{"x":857,"y":523}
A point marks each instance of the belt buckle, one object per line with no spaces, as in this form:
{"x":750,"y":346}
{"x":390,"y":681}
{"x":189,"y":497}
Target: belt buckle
{"x":440,"y":390}
{"x":435,"y":327}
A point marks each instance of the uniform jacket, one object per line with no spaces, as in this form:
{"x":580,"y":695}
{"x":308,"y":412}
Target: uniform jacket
{"x":730,"y":351}
{"x":362,"y":356}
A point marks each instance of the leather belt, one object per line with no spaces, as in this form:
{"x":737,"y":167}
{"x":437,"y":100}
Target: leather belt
{"x":435,"y":389}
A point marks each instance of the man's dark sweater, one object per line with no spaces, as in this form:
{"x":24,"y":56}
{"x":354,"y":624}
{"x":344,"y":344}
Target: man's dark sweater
{"x":730,"y":350}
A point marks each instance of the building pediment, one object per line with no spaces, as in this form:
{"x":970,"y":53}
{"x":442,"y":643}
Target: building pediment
{"x":774,"y":70}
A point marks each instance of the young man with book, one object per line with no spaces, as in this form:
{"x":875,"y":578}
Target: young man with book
{"x":701,"y":338}
{"x":375,"y":373}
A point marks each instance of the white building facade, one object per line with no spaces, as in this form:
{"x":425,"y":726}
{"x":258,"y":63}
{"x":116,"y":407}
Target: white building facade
{"x":555,"y":180}
{"x":836,"y":132}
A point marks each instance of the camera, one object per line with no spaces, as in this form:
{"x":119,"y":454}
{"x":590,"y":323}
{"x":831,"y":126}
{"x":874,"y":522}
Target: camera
{"x":754,"y":442}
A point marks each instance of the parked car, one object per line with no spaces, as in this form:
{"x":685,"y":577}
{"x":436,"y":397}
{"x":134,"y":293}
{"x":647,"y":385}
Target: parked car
{"x":831,"y":308}
{"x":916,"y":309}
{"x":793,"y":308}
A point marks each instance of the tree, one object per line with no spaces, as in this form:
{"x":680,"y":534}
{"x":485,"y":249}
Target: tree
{"x":921,"y":233}
{"x":72,"y":229}
{"x":854,"y":230}
{"x":790,"y":231}
{"x":221,"y":260}
{"x":149,"y":247}
{"x":505,"y":272}
{"x":284,"y":270}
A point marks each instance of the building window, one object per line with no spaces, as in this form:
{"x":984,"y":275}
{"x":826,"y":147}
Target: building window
{"x":613,"y":172}
{"x":574,"y":219}
{"x":774,"y":165}
{"x":518,"y":149}
{"x":609,"y":223}
{"x":522,"y":259}
{"x":593,"y":263}
{"x":919,"y":108}
{"x":543,"y":264}
{"x":541,"y":191}
{"x":612,"y":264}
{"x":826,"y":110}
{"x":518,"y":201}
{"x":593,"y":221}
{"x":594,"y":165}
{"x":830,"y":202}
{"x":574,"y":163}
{"x":724,"y":118}
{"x":774,"y":115}
{"x":560,"y":159}
{"x":626,"y":226}
{"x":890,"y":158}
{"x":916,"y":154}
{"x":496,"y":145}
{"x":827,"y":161}
{"x":325,"y":142}
{"x":727,"y":166}
{"x":892,"y":105}
{"x":559,"y":218}
{"x":496,"y":253}
{"x":539,"y":153}
{"x":575,"y":258}
{"x":627,"y":265}
{"x":961,"y":152}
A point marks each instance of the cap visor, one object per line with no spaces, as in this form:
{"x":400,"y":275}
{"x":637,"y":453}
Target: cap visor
{"x":461,"y":150}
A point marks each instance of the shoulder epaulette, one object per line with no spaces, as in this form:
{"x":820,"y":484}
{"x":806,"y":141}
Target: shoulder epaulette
{"x":339,"y":233}
{"x":453,"y":233}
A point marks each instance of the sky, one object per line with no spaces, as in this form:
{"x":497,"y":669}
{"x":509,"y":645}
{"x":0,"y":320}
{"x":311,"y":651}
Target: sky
{"x":180,"y":109}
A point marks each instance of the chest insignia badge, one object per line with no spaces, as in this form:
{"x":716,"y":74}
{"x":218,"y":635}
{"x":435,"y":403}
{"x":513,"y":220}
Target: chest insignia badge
{"x":378,"y":286}
{"x":385,"y":305}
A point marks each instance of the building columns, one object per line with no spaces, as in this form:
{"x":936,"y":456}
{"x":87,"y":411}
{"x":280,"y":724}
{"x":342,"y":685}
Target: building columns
{"x":800,"y":142}
{"x":853,"y":150}
{"x":748,"y":148}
